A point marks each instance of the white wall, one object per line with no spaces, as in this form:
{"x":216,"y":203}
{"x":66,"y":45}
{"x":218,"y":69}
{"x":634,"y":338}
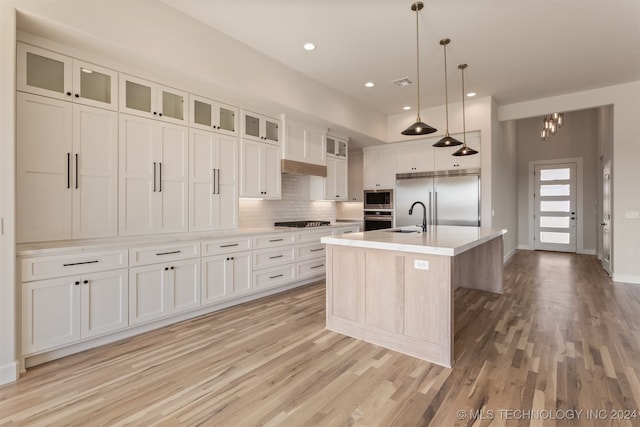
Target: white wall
{"x":505,"y":177}
{"x":576,"y":139}
{"x":625,"y":99}
{"x":8,"y":365}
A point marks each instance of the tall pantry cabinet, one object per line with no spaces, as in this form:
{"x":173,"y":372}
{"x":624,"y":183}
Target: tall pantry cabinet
{"x":66,"y":148}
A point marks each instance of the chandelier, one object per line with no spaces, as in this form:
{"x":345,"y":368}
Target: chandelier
{"x":551,"y":124}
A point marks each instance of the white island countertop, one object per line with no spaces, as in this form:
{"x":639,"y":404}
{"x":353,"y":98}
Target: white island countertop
{"x":448,"y":240}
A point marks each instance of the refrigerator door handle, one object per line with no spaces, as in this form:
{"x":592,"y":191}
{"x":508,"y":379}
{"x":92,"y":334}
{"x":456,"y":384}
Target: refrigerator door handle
{"x":435,"y":208}
{"x":430,"y":210}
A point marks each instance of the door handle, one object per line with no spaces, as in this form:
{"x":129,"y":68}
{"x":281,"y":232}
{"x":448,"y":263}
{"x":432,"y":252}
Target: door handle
{"x":68,"y":170}
{"x":160,"y":177}
{"x":213,"y":190}
{"x":435,"y":207}
{"x":154,"y":177}
{"x":218,"y":182}
{"x":76,"y":171}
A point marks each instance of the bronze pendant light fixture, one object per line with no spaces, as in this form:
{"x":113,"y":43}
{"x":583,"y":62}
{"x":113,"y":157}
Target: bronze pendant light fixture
{"x":464,"y":150}
{"x":447,"y":140}
{"x":418,"y":128}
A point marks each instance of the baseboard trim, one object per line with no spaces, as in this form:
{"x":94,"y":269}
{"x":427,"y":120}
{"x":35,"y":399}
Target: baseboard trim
{"x":525,"y":247}
{"x":584,"y":251}
{"x":626,"y":278}
{"x":9,"y":372}
{"x":508,"y":256}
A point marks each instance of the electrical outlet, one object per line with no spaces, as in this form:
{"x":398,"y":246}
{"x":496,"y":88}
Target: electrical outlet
{"x":421,"y":264}
{"x":632,"y":214}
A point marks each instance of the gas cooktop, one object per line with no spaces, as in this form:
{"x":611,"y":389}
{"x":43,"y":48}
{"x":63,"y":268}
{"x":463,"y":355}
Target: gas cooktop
{"x":301,"y":224}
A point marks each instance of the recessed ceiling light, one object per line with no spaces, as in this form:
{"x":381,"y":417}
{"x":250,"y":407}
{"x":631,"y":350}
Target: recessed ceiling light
{"x":369,"y":84}
{"x":470,"y":94}
{"x":406,"y":108}
{"x":309,"y":46}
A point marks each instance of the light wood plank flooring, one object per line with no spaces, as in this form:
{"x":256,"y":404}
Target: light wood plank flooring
{"x":562,"y":337}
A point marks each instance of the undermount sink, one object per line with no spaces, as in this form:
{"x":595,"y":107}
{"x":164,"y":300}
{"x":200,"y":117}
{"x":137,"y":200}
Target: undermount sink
{"x":400,"y":230}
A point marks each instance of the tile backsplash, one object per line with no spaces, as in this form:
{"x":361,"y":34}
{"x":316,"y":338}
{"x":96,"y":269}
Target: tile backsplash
{"x":294,"y":205}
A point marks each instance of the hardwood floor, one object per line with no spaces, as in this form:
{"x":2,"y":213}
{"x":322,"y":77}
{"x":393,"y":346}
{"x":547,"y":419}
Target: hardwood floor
{"x":562,"y":338}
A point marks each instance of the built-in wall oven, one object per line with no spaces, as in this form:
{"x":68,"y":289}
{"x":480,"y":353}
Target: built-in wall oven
{"x":378,"y":219}
{"x":378,"y":199}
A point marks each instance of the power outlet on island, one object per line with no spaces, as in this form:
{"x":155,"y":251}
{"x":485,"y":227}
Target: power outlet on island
{"x":421,"y":264}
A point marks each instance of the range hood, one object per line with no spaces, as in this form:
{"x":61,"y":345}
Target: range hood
{"x":293,"y":167}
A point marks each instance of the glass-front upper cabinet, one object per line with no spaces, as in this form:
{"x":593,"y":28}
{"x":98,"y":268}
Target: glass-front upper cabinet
{"x":42,"y":72}
{"x":148,"y":99}
{"x":207,"y":114}
{"x":260,"y":128}
{"x":336,"y":147}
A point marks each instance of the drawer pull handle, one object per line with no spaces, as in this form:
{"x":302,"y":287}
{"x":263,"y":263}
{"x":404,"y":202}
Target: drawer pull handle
{"x":79,"y":263}
{"x":275,"y":277}
{"x":276,"y":256}
{"x":169,"y":253}
{"x":228,"y":246}
{"x":317,"y":266}
{"x":276,"y":240}
{"x":316,"y":250}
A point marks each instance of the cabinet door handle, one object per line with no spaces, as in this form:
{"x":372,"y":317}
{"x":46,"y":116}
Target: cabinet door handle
{"x":228,"y":246}
{"x":316,"y":250}
{"x":68,"y":170}
{"x":317,"y":266}
{"x":76,"y":171}
{"x":79,"y":263}
{"x":168,"y":253}
{"x":276,"y":256}
{"x":276,"y":240}
{"x":160,"y":177}
{"x":218,"y":182}
{"x":213,"y":191}
{"x":275,"y":277}
{"x":154,"y":177}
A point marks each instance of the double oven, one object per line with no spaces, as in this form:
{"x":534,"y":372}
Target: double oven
{"x":378,"y":209}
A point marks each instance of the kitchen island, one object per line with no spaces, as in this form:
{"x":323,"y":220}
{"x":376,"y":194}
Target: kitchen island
{"x":394,"y":288}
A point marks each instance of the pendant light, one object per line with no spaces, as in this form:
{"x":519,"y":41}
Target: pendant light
{"x":447,"y":141}
{"x":418,"y":128}
{"x":464,"y":150}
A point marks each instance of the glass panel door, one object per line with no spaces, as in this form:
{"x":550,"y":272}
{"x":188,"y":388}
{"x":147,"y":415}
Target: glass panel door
{"x":172,"y":105}
{"x":202,"y":113}
{"x":94,"y":85}
{"x":227,"y":119}
{"x":271,"y":130}
{"x":331,"y":146}
{"x":251,"y":125}
{"x":606,"y":217}
{"x":42,"y":72}
{"x":137,"y":96}
{"x":45,"y":73}
{"x":342,"y":149}
{"x":555,"y":207}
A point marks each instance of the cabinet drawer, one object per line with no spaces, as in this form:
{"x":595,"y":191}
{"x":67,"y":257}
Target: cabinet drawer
{"x":163,"y":253}
{"x":312,"y":268}
{"x":314,"y":236}
{"x":64,"y":265}
{"x":225,"y":246}
{"x":272,"y":277}
{"x":310,"y":251}
{"x":276,"y":256}
{"x":271,"y":240}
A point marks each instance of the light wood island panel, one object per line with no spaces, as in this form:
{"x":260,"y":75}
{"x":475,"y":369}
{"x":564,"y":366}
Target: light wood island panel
{"x":402,"y":300}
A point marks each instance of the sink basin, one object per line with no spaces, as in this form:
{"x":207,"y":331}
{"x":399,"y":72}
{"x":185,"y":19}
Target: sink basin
{"x":402,"y":231}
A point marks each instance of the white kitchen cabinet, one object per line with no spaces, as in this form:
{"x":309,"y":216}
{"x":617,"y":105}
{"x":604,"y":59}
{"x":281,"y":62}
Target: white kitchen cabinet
{"x":47,"y":73}
{"x":153,"y":188}
{"x":334,"y":186}
{"x":304,"y":144}
{"x":160,"y":290}
{"x":260,"y":128}
{"x":445,"y":161}
{"x":61,"y":311}
{"x":152,"y":100}
{"x":355,"y":184}
{"x":213,"y":177}
{"x":260,"y":170}
{"x":207,"y":114}
{"x":66,"y":170}
{"x":379,"y":169}
{"x":415,"y":158}
{"x":226,"y":276}
{"x":336,"y":147}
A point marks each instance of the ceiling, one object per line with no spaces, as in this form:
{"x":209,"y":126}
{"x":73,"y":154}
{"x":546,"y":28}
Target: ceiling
{"x":517,"y":50}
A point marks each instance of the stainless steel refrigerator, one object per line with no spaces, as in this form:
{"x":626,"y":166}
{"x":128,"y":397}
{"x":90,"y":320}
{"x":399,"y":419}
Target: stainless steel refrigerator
{"x":450,"y":199}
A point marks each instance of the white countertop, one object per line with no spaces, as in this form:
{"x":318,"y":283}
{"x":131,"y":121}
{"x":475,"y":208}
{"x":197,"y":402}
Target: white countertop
{"x":446,"y":240}
{"x":42,"y":248}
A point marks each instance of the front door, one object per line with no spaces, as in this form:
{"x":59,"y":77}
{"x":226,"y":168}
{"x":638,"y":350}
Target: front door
{"x":555,"y":207}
